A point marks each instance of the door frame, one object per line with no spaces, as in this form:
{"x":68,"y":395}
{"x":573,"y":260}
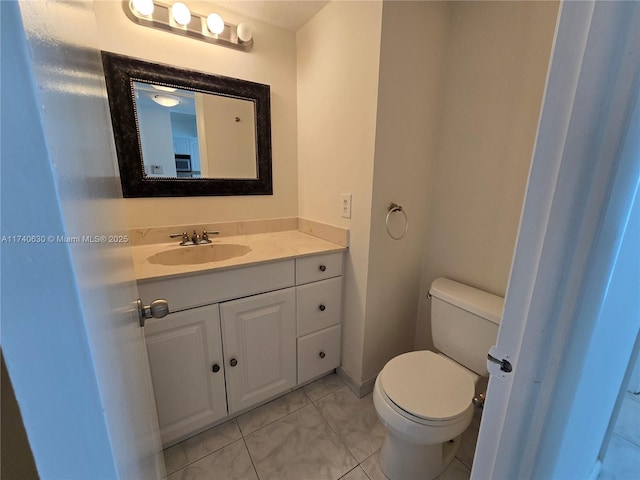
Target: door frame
{"x":580,"y":186}
{"x":70,"y":335}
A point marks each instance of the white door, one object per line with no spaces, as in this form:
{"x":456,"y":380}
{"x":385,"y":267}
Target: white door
{"x":70,"y":335}
{"x":185,"y":355}
{"x":259,"y":338}
{"x":548,"y":418}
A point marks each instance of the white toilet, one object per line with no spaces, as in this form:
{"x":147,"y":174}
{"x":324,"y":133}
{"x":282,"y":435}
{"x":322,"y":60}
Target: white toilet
{"x":424,"y":398}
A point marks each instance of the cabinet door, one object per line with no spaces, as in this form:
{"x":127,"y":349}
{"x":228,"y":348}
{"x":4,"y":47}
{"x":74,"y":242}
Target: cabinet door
{"x":181,"y":146}
{"x":259,"y":335}
{"x":183,"y":348}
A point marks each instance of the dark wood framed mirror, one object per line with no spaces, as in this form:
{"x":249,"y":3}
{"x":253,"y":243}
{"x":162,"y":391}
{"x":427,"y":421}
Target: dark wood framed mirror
{"x":186,"y":133}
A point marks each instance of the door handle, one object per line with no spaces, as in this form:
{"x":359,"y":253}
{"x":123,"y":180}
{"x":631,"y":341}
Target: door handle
{"x":157,"y":309}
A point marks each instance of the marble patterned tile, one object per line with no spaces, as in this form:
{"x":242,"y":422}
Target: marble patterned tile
{"x":371,"y":466}
{"x":456,"y":471}
{"x":229,"y":463}
{"x":621,"y":461}
{"x":196,"y":447}
{"x":469,"y":440}
{"x":299,"y":446}
{"x":355,"y":474}
{"x":354,"y":420}
{"x":323,"y":386}
{"x":270,"y":412}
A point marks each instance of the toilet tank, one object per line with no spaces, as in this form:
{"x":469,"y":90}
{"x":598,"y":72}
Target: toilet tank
{"x":464,"y":322}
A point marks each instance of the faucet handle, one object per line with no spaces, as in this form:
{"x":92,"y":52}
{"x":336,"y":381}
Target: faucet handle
{"x":184,"y":235}
{"x":206,"y":233}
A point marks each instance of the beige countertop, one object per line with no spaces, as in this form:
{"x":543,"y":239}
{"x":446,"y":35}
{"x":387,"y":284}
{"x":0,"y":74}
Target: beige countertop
{"x":262,"y":247}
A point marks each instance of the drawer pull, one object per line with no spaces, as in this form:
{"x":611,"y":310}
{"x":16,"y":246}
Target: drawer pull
{"x":233,"y":362}
{"x":322,"y":308}
{"x":322,"y":268}
{"x":215,"y":368}
{"x":322,"y":354}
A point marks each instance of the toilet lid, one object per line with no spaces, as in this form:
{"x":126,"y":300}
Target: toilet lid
{"x":427,"y":385}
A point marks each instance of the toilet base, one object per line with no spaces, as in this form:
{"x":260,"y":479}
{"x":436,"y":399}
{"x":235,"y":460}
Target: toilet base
{"x":400,"y":460}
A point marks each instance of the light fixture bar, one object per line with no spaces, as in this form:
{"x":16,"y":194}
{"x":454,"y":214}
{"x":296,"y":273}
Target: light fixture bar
{"x":161,"y":19}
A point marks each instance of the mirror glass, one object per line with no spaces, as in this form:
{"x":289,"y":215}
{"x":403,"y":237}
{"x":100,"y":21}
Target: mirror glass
{"x":186,"y":133}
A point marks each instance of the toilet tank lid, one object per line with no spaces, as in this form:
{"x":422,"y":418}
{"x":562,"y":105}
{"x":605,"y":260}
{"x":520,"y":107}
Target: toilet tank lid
{"x":478,"y":302}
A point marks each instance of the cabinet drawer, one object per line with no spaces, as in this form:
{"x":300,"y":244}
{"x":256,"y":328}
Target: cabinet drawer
{"x":318,"y":353}
{"x":318,"y":267}
{"x":318,"y":305}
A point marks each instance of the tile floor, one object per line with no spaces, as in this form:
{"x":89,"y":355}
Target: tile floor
{"x":622,"y":458}
{"x":321,"y":431}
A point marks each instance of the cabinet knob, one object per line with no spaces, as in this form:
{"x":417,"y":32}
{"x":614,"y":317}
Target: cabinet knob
{"x":322,"y":355}
{"x":233,"y":362}
{"x":215,"y":368}
{"x":322,"y":308}
{"x":322,"y":268}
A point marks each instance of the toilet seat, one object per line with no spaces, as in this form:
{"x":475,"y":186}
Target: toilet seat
{"x":427,"y":387}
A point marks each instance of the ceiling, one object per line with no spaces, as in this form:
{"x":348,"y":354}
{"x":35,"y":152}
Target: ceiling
{"x":287,"y":14}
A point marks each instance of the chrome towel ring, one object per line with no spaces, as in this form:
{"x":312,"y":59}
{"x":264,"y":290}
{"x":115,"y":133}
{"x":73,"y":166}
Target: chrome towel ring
{"x":393,"y":208}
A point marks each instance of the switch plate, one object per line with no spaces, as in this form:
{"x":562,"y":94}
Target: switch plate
{"x":345,"y":204}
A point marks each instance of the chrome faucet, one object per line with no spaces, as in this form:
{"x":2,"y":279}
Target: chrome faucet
{"x":195,"y":239}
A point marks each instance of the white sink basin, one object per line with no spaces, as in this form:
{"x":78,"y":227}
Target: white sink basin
{"x":196,"y":254}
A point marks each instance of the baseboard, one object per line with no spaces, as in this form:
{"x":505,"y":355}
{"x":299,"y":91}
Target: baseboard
{"x":360,"y":390}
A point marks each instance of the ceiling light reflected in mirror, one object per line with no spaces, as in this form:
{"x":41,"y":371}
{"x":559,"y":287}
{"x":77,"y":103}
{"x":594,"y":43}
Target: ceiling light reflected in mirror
{"x":165,"y":100}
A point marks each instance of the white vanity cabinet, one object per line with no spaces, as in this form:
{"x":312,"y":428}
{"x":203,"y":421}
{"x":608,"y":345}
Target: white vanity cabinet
{"x":239,"y":337}
{"x":187,"y":370}
{"x":260,"y":347}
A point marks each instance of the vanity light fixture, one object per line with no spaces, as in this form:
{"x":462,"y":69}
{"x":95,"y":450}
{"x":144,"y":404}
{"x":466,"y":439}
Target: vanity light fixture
{"x":178,"y":18}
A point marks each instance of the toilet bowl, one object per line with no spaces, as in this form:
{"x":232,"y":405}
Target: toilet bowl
{"x":424,"y":401}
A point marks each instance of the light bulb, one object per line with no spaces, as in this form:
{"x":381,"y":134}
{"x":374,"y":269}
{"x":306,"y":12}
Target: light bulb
{"x":215,"y":23}
{"x":244,"y":32}
{"x":143,"y":7}
{"x":181,"y":13}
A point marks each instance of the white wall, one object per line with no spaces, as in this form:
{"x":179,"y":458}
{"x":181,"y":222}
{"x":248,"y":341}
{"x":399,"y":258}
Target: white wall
{"x":496,"y":68}
{"x":231,"y":147}
{"x":413,"y":51}
{"x":337,"y":98}
{"x":449,"y":138}
{"x":272,"y":61}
